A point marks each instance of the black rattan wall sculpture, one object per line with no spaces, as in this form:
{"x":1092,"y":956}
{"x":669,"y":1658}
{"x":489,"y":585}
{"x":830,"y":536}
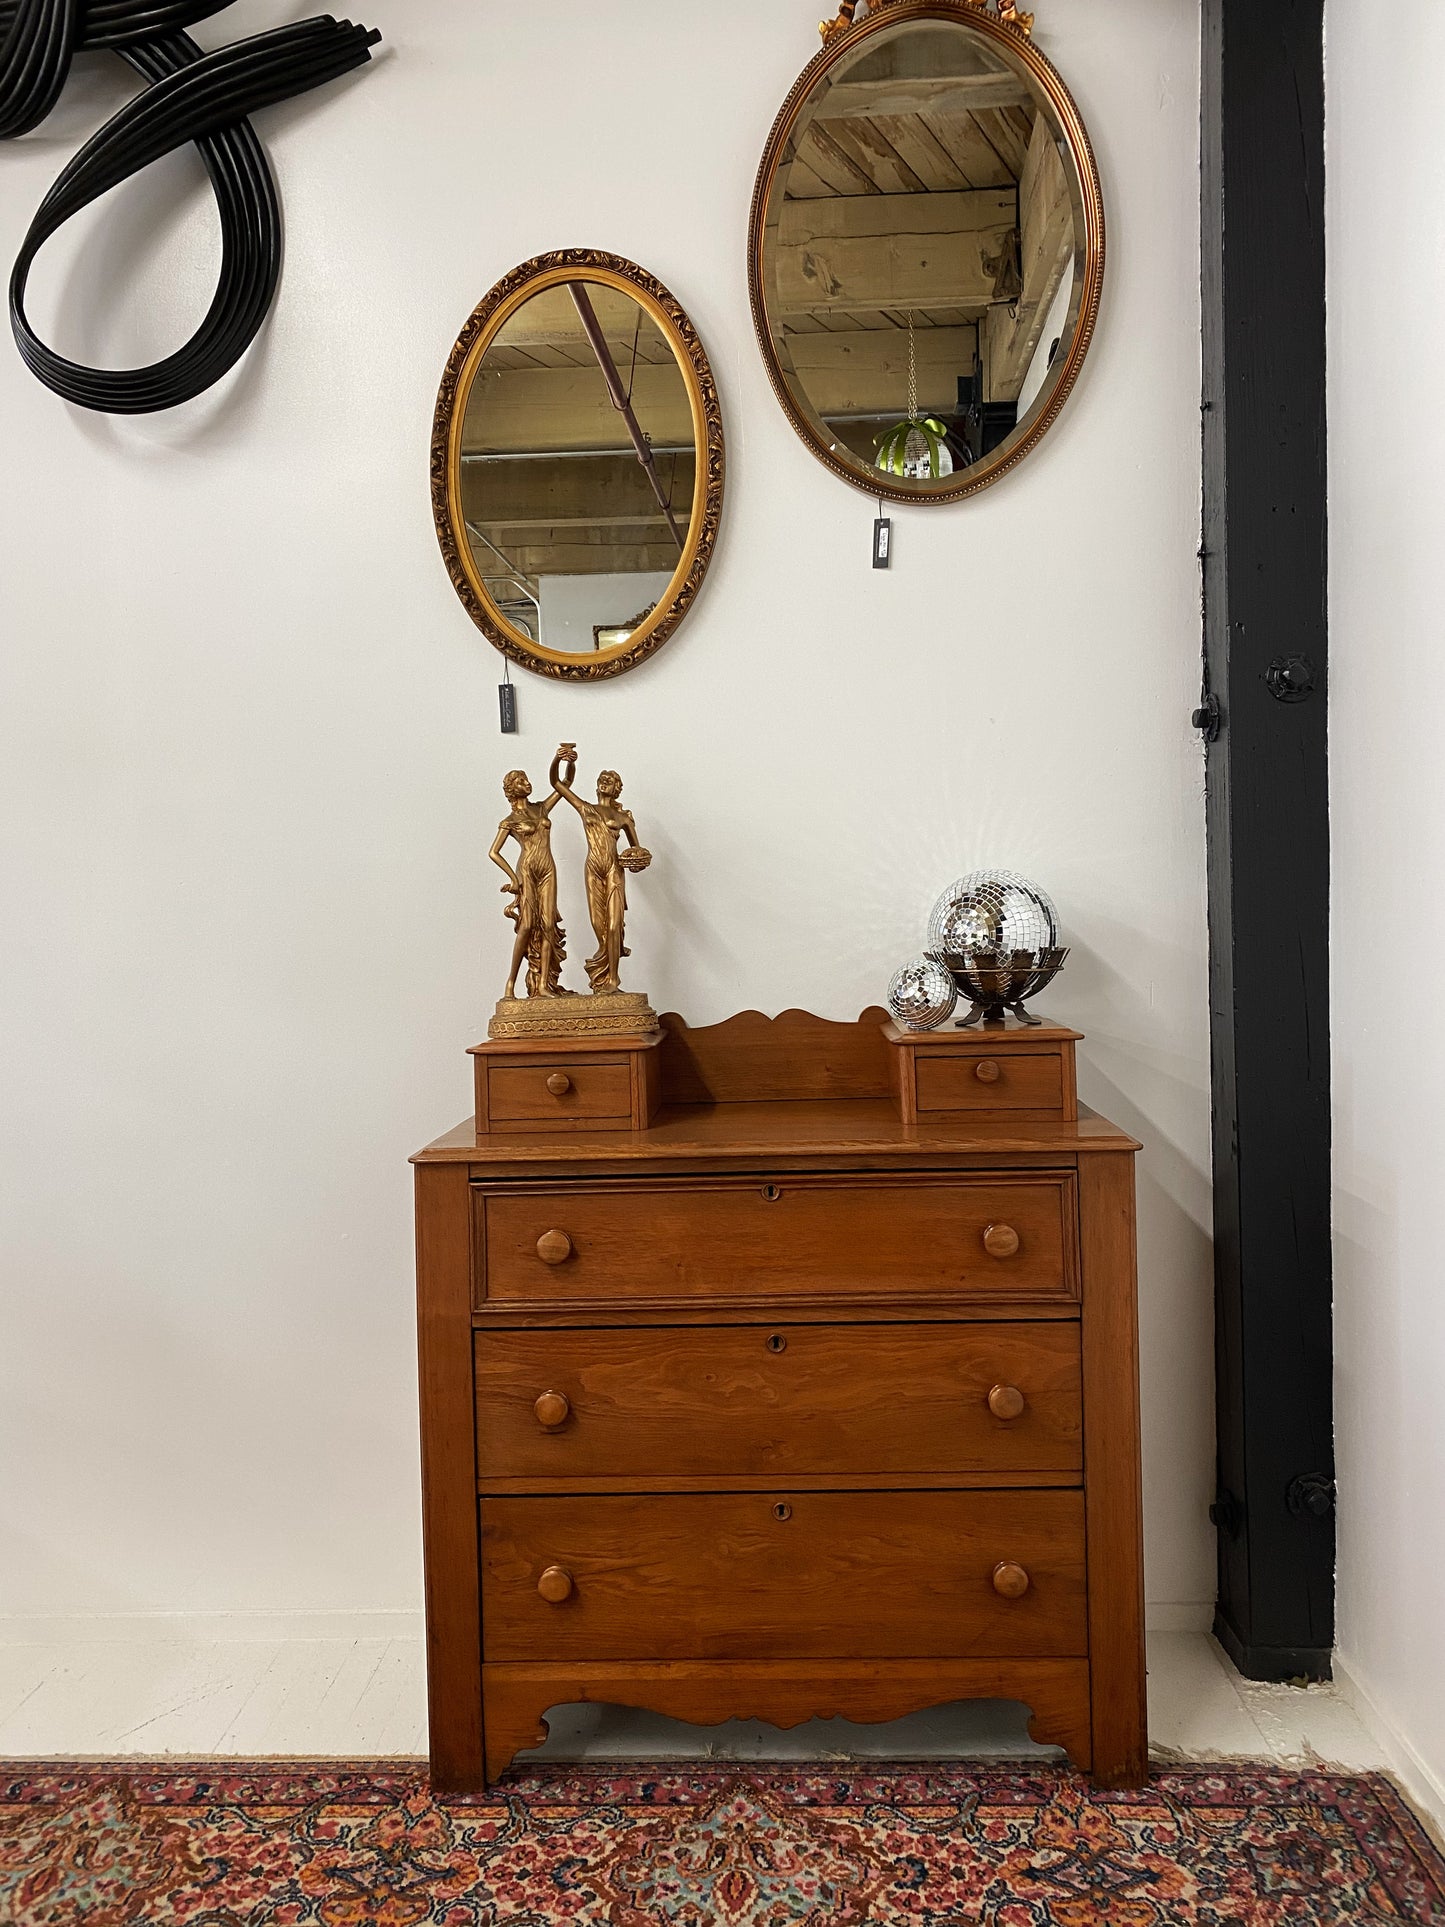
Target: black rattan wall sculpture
{"x":193,"y":96}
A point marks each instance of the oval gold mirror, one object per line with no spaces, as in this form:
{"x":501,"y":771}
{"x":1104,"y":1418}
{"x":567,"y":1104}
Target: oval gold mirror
{"x":926,"y":249}
{"x":577,"y":464}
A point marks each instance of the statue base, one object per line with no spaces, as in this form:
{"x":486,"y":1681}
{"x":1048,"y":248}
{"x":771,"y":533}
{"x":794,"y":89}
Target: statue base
{"x":597,"y":1013}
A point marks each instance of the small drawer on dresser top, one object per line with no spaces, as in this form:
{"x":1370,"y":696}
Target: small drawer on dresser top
{"x":799,"y":1401}
{"x":750,"y":1239}
{"x":544,"y":1091}
{"x":1017,"y":1080}
{"x":1013,"y":1073}
{"x":830,"y":1575}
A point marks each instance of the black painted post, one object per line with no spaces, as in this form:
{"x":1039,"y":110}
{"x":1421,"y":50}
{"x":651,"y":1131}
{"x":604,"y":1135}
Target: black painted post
{"x":1265,"y":633}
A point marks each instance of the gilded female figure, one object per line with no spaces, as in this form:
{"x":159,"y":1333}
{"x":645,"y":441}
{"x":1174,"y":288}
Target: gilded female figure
{"x":603,"y":822}
{"x":532,"y":886}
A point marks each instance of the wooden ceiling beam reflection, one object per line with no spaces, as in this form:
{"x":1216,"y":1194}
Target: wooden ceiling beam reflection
{"x":550,"y":320}
{"x":529,"y":410}
{"x":949,"y":97}
{"x":1046,"y":221}
{"x":602,"y":489}
{"x":857,"y":254}
{"x":573,"y":553}
{"x":866,"y":371}
{"x":591,"y":516}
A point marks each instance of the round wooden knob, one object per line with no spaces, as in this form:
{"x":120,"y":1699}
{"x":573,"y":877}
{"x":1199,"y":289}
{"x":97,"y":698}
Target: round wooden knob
{"x":552,"y":1409}
{"x":986,"y":1071}
{"x":1004,"y":1401}
{"x":1009,"y":1580}
{"x":555,"y":1585}
{"x":999,"y":1241}
{"x":559,"y":1083}
{"x":554,"y":1247}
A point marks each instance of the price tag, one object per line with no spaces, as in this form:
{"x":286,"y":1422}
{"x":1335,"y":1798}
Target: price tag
{"x":508,"y":696}
{"x":882,"y":542}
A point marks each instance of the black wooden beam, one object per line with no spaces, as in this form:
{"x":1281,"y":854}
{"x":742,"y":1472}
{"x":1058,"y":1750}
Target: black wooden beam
{"x":1265,"y":631}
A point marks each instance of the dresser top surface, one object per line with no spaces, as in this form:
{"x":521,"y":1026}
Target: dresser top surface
{"x":864,"y":1131}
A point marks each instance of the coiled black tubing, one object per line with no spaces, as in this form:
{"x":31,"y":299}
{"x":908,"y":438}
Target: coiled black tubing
{"x":192,"y":97}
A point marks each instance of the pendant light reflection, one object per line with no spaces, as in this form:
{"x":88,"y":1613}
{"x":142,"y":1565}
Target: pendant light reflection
{"x":915,"y":448}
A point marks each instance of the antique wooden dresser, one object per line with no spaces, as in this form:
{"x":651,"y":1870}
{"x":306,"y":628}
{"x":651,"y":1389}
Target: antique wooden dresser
{"x":778,"y":1369}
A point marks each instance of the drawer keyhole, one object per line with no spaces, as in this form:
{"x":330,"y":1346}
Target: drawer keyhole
{"x":777,"y":1342}
{"x":772,"y":1193}
{"x":782,"y":1510}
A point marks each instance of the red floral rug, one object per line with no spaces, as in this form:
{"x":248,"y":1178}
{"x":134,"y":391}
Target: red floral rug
{"x":358,"y":1845}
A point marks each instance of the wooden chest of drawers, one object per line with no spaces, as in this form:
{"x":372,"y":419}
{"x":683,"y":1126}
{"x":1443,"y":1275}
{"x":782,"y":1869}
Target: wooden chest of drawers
{"x":817,"y":1396}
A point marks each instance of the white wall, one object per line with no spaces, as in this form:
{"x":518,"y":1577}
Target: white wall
{"x":1387,"y":499}
{"x":250,"y":764}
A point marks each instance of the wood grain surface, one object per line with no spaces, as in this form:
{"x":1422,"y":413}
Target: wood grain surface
{"x":1030,"y":1081}
{"x":448,"y":1455}
{"x":740,"y":1237}
{"x":753,"y":1059}
{"x":784,"y":1693}
{"x":864,"y":1135}
{"x":1112,"y":1471}
{"x":596,"y":1087}
{"x":758,"y":1401}
{"x":853,"y":1575}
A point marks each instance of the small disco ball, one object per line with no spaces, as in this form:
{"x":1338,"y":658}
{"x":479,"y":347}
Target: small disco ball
{"x":922,"y":994}
{"x":999,"y":935}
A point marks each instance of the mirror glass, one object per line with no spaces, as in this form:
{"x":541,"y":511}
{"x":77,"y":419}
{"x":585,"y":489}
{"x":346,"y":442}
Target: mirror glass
{"x":927,"y":248}
{"x":580,"y":481}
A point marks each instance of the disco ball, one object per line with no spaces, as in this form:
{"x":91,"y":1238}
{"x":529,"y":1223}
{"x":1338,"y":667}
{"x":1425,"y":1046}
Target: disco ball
{"x":922,"y":994}
{"x":999,"y":935}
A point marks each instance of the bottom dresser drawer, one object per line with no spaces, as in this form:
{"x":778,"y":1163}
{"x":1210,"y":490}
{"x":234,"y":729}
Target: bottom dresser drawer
{"x":827,"y":1575}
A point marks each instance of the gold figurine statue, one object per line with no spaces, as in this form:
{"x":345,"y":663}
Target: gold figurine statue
{"x":603,"y":822}
{"x":532,"y":886}
{"x":548,"y":1010}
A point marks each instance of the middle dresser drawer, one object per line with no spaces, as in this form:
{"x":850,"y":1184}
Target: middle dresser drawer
{"x":799,"y":1401}
{"x":920,"y":1236}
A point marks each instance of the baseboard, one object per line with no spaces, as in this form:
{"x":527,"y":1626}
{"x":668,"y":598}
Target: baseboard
{"x":1178,"y":1615}
{"x":1421,"y":1782}
{"x":207,"y":1628}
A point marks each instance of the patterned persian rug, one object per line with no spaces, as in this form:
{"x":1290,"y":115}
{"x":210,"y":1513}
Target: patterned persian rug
{"x":358,"y":1845}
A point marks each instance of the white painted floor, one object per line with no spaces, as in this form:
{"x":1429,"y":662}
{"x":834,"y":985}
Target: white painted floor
{"x":338,"y":1697}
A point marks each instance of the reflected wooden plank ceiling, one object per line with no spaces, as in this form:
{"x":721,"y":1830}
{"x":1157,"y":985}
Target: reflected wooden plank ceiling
{"x":972,"y":147}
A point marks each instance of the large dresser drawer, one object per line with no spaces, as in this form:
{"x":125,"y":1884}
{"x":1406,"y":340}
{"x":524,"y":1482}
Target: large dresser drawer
{"x":777,"y":1402}
{"x":798,"y":1237}
{"x":820,"y":1575}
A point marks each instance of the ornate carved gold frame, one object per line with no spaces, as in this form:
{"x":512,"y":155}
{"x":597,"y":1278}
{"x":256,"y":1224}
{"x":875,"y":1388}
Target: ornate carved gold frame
{"x":486,"y":320}
{"x":1010,"y":30}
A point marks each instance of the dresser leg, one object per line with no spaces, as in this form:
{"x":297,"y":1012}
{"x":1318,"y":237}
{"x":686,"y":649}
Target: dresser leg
{"x":449,"y":1476}
{"x":1064,"y":1721}
{"x":1112,"y":1498}
{"x":513,"y":1721}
